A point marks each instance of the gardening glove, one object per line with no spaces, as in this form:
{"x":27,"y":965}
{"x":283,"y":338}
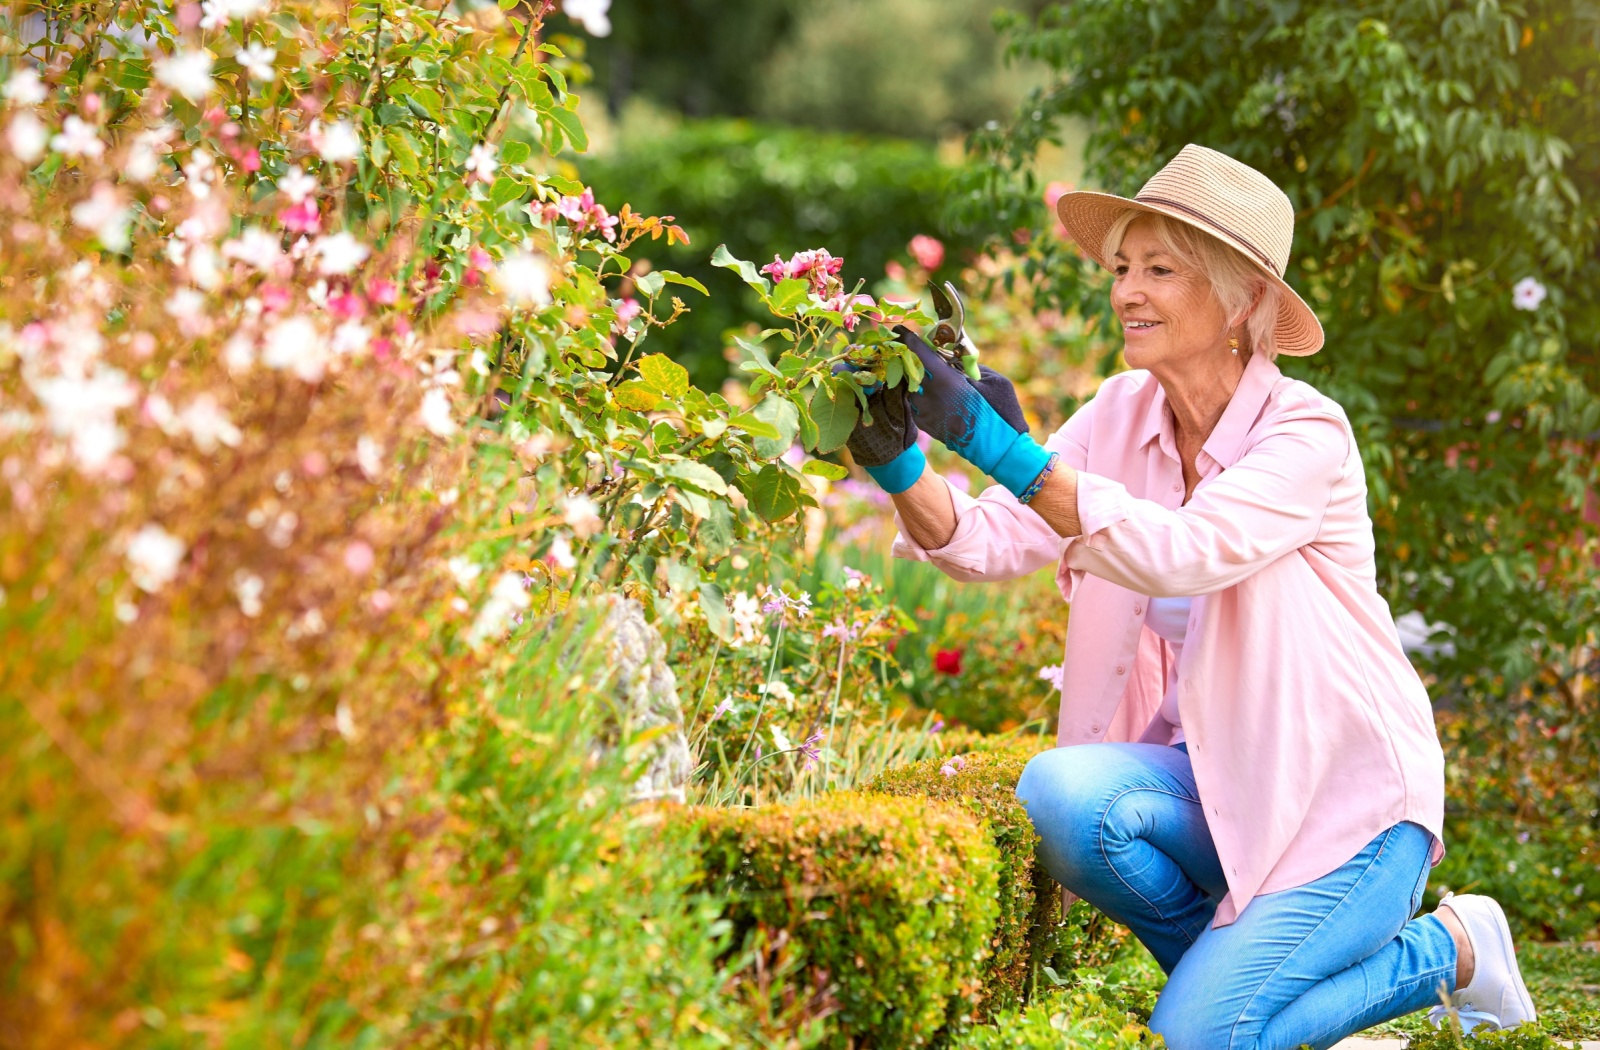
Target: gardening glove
{"x":887,"y":449}
{"x":979,"y":421}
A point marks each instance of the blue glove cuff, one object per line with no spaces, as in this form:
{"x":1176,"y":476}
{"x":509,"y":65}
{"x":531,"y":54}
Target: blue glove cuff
{"x":1020,"y":464}
{"x":901,"y":472}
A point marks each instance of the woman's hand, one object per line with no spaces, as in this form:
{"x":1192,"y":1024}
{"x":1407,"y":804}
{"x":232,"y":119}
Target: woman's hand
{"x":979,"y":421}
{"x":887,"y":445}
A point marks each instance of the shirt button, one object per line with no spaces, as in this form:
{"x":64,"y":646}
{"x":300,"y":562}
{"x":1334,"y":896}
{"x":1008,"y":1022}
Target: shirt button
{"x":1120,"y":668}
{"x":1094,"y":728}
{"x":1137,"y":609}
{"x":1177,"y":487}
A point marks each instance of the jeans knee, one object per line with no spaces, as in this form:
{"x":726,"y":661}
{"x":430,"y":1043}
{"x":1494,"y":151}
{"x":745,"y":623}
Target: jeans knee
{"x":1064,"y":799}
{"x":1189,"y":1026}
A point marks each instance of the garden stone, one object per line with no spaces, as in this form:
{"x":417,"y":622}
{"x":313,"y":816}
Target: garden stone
{"x":645,"y":693}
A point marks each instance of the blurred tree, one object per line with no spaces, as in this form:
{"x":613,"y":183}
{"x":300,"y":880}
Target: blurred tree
{"x":1444,"y":161}
{"x":910,"y":68}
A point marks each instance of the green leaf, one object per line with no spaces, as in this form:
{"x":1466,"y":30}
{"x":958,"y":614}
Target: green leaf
{"x":773,"y":492}
{"x":761,"y":362}
{"x":781,"y":415}
{"x":664,"y":375}
{"x":636,"y":396}
{"x":406,"y":160}
{"x":790,"y":364}
{"x":515,"y":152}
{"x":715,"y":608}
{"x":754,"y":427}
{"x":698,"y":475}
{"x":789,"y":293}
{"x":650,"y":284}
{"x":716,"y":530}
{"x":894,"y":370}
{"x":836,"y":412}
{"x":504,"y":191}
{"x":747,"y":270}
{"x":913,"y":366}
{"x":673,"y":277}
{"x":572,"y":126}
{"x":823,"y":469}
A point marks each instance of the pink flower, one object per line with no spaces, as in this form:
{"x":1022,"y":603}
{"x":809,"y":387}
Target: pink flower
{"x":347,"y":306}
{"x":1053,"y":193}
{"x":301,"y":217}
{"x":938,"y":724}
{"x":627,"y":310}
{"x":383,"y":291}
{"x":840,"y":630}
{"x":358,"y":558}
{"x":928,"y":251}
{"x":894,"y":271}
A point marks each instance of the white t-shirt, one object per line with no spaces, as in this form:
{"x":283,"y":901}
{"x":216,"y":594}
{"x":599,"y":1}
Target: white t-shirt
{"x":1169,"y":618}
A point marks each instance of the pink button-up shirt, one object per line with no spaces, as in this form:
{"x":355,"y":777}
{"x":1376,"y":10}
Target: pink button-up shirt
{"x":1308,"y":729}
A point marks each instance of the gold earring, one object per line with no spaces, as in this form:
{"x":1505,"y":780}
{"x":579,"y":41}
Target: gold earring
{"x":1233,"y":344}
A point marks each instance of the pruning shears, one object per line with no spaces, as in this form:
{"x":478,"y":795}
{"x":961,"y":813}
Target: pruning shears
{"x":949,"y":333}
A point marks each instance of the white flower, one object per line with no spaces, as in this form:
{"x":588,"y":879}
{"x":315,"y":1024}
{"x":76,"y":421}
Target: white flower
{"x":27,"y":137}
{"x":778,"y":690}
{"x":248,"y":588}
{"x":83,"y":409}
{"x":153,"y":557}
{"x":481,"y":162}
{"x":582,"y":514}
{"x":144,"y":156}
{"x":593,"y":15}
{"x":336,"y":142}
{"x":295,"y":344}
{"x":436,"y":414}
{"x":561,"y":552}
{"x":351,"y":337}
{"x":185,"y":304}
{"x":524,"y":279}
{"x":256,"y":60}
{"x":208,"y":425}
{"x":200,"y":171}
{"x":256,"y":248}
{"x":369,"y":457}
{"x":25,"y":88}
{"x":464,"y":569}
{"x":480,"y":363}
{"x":747,"y":619}
{"x":780,"y":740}
{"x":1052,"y":674}
{"x":508,"y":597}
{"x":105,"y":214}
{"x":78,"y":138}
{"x":339,"y":253}
{"x":218,"y":13}
{"x":1527,"y":294}
{"x":188,"y":73}
{"x":296,"y":184}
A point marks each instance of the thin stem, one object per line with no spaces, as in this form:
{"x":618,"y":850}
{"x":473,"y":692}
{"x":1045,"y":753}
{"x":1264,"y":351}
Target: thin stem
{"x":777,"y":647}
{"x":838,"y":687}
{"x":706,"y":687}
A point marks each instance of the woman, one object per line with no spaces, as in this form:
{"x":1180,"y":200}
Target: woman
{"x":1247,"y":774}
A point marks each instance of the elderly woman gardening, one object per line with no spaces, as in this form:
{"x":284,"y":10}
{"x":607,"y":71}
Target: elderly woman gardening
{"x":1248,"y":774}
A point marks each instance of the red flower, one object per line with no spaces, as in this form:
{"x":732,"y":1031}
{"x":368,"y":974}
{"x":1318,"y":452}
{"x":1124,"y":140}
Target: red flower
{"x":947,"y":661}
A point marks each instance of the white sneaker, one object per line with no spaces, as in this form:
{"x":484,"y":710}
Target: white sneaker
{"x":1495,"y":998}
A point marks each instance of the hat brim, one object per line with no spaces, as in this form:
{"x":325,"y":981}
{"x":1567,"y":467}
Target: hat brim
{"x":1089,"y":216}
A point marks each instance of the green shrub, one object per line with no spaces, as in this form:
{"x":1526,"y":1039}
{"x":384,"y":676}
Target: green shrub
{"x":1085,"y":1018}
{"x":765,"y":190}
{"x":1029,"y":932}
{"x":1545,"y":877}
{"x":885,"y":906}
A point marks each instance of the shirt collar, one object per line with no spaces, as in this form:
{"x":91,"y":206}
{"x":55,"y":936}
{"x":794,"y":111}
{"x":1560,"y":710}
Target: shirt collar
{"x":1227,"y":437}
{"x":1260,"y":374}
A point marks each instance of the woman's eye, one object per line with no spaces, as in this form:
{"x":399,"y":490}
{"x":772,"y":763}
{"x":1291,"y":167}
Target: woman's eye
{"x":1160,"y":271}
{"x":1121,"y":271}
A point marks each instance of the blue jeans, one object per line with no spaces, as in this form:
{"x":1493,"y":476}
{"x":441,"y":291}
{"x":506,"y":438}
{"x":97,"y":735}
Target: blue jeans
{"x":1121,"y":826}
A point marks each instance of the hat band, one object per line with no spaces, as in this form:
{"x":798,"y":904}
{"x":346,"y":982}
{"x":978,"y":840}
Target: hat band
{"x":1214,"y":224}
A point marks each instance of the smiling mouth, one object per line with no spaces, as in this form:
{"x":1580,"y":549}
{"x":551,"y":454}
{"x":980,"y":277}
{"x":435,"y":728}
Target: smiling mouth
{"x":1138,"y":326}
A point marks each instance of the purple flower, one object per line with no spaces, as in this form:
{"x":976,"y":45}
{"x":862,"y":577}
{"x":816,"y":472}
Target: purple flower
{"x":938,"y":724}
{"x":723,"y":708}
{"x":841,"y":630}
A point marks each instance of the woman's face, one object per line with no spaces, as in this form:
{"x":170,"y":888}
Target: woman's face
{"x":1169,"y":316}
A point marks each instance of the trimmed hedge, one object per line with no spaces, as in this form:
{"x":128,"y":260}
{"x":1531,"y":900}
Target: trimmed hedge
{"x":882,"y":907}
{"x":1030,"y":932}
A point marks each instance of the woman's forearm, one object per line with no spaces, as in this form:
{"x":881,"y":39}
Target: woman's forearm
{"x":927,"y":510}
{"x":929,"y":514}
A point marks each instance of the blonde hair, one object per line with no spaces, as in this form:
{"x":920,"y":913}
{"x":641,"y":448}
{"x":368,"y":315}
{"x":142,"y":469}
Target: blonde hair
{"x":1235,"y":281}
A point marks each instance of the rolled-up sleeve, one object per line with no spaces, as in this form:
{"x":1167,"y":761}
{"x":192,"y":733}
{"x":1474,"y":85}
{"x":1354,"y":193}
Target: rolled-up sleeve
{"x":998,"y":537}
{"x":1268,"y":503}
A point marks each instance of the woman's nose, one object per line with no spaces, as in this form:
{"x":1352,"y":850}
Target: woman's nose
{"x":1126,"y":291}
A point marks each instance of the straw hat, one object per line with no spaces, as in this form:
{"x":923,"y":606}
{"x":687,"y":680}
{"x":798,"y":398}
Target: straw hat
{"x":1232,"y":202}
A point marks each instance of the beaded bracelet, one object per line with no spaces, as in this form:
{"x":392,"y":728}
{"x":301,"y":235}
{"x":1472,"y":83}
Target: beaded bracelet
{"x":1027,"y":494}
